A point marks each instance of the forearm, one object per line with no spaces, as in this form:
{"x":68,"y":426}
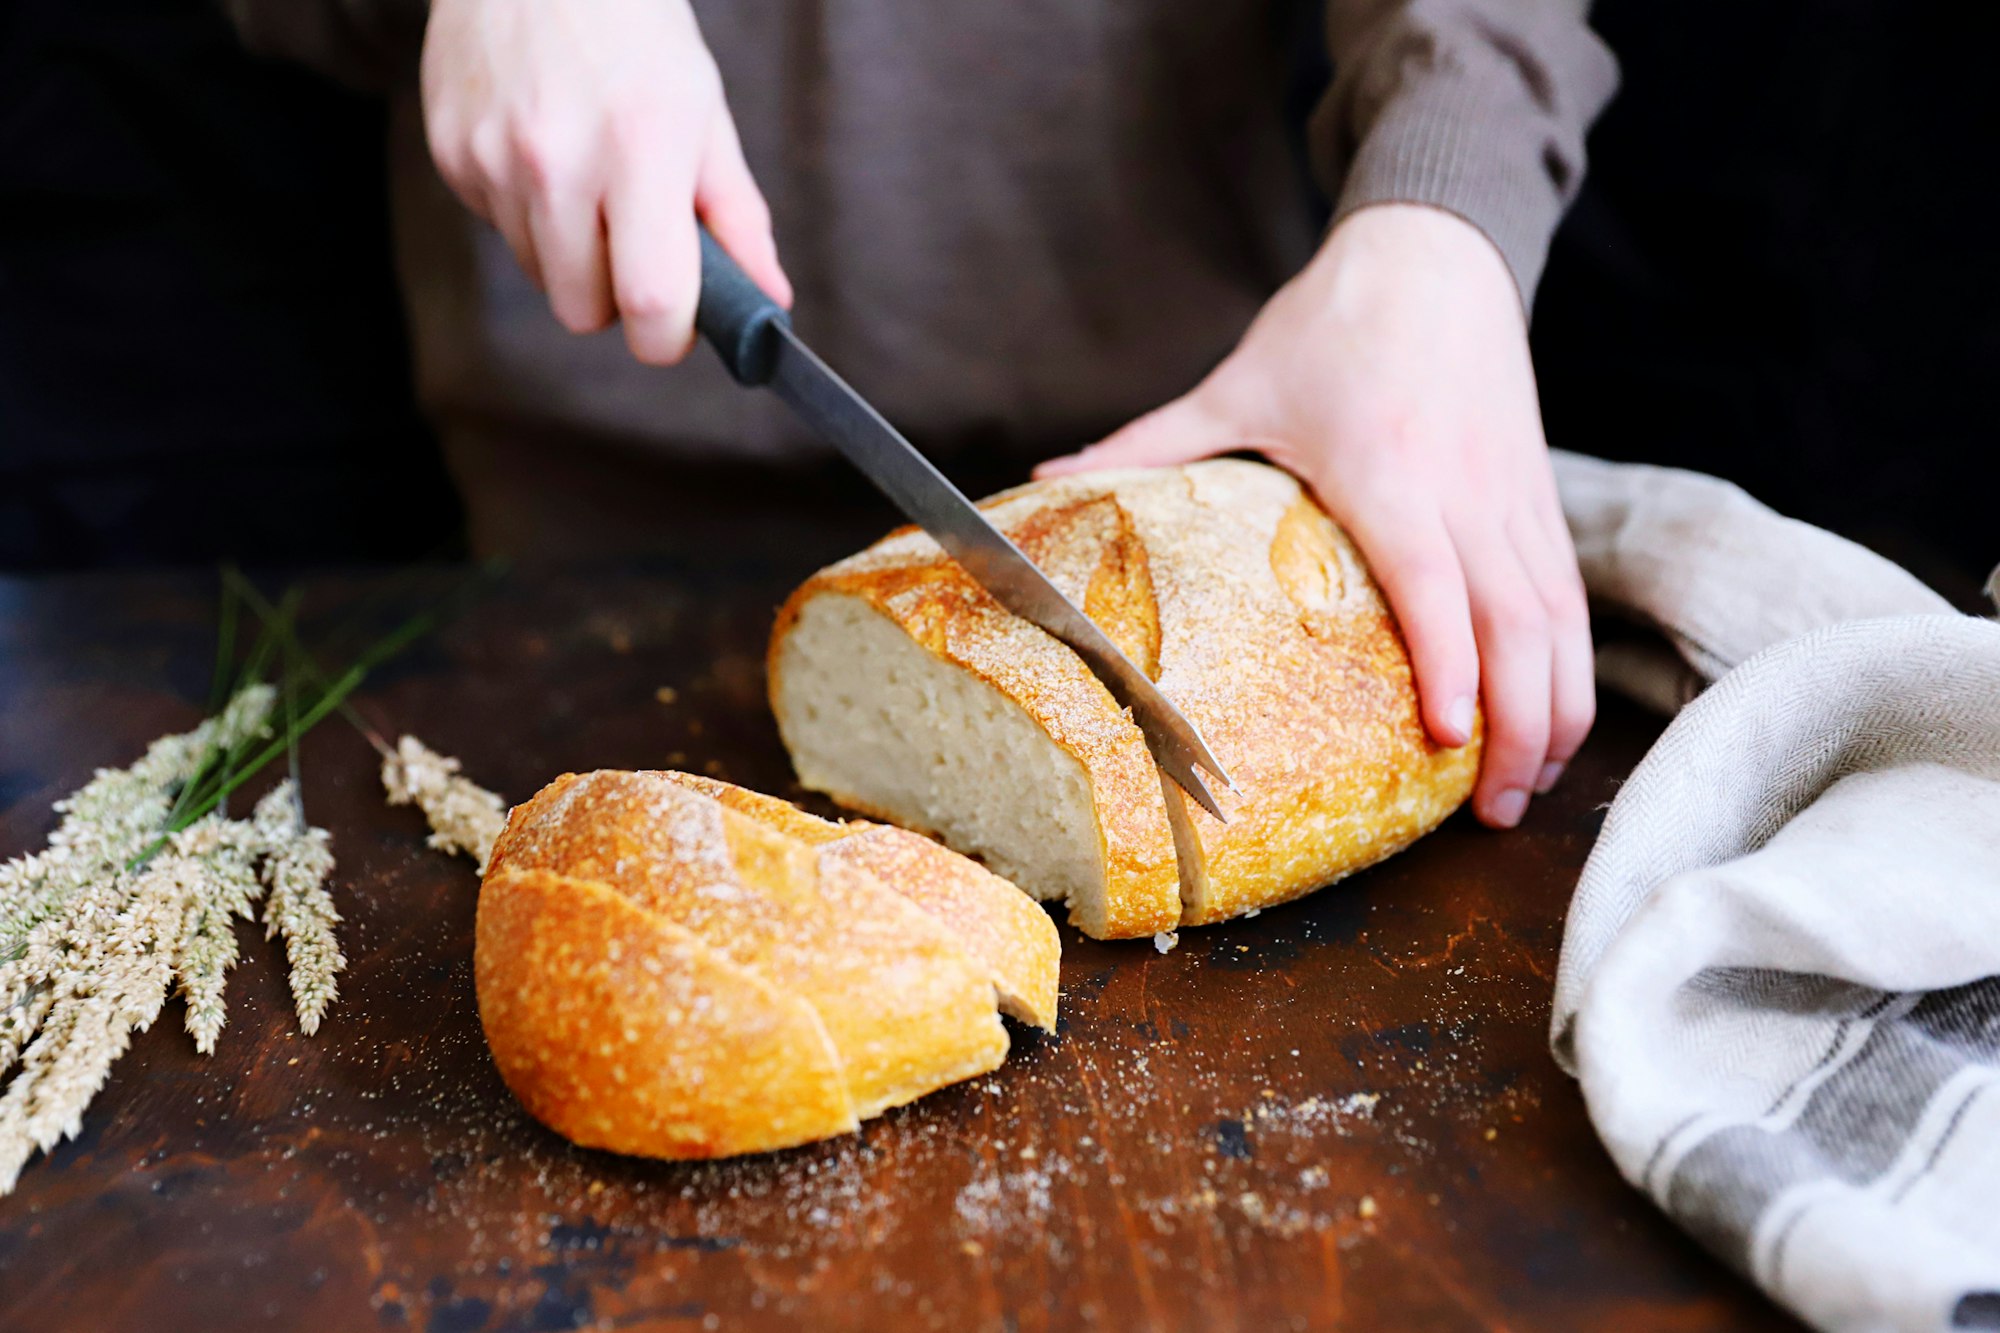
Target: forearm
{"x":368,"y":44}
{"x":1477,"y":107}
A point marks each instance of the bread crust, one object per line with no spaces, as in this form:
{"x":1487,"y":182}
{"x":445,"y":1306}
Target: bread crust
{"x":1258,"y":619}
{"x":660,"y":972}
{"x":620,"y":1030}
{"x":906,"y":1005}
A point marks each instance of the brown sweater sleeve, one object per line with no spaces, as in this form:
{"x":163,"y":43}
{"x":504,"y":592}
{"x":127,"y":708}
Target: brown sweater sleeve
{"x":1477,"y":107}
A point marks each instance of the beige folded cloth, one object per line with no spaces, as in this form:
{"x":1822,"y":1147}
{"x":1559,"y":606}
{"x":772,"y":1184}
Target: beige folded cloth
{"x":1780,"y":979}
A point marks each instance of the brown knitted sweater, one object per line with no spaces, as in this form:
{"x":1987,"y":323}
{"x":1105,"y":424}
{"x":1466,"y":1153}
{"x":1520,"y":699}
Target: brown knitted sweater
{"x":1014,"y":225}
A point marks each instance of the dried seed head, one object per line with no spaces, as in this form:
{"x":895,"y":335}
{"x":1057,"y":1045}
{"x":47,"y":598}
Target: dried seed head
{"x":464,"y":817}
{"x":90,"y":944}
{"x":297,"y":865}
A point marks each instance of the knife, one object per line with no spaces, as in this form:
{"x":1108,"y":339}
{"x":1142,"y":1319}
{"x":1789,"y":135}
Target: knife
{"x":755,"y":339}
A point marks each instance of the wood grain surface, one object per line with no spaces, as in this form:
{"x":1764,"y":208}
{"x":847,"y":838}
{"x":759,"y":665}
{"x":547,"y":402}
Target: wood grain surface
{"x":1338,"y":1114}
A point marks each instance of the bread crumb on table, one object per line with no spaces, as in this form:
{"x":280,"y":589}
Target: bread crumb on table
{"x":1165,"y":940}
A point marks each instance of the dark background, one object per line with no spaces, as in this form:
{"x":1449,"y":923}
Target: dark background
{"x":201,"y":347}
{"x":1781,"y":270}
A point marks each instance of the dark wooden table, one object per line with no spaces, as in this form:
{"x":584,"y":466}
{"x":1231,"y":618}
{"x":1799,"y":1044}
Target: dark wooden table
{"x":1341,"y":1113}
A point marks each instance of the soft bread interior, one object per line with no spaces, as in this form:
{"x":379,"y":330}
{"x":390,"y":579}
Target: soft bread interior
{"x":880,"y":724}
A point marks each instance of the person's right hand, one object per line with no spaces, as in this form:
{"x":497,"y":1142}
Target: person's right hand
{"x":593,"y":135}
{"x":1392,"y":374}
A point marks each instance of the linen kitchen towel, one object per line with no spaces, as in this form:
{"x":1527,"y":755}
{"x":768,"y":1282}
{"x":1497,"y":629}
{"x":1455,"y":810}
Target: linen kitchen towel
{"x":1780,"y":979}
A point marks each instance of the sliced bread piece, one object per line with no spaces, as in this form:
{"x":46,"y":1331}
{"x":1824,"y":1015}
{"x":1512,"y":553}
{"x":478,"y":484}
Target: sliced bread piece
{"x":666,"y":967}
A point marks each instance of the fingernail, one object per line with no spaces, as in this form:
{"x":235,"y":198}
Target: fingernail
{"x":1459,"y":718}
{"x":1508,"y":807}
{"x":1551,"y":774}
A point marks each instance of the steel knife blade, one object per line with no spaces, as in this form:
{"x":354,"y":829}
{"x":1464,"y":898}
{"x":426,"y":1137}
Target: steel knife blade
{"x":758,"y":345}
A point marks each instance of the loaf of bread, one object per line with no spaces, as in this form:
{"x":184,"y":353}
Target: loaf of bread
{"x":904,"y":691}
{"x":675,"y":967}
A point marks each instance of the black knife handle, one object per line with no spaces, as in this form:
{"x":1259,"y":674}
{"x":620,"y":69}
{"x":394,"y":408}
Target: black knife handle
{"x":736,"y":316}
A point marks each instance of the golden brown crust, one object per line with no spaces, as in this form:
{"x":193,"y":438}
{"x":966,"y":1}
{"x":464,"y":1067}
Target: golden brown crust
{"x":908,"y":1008}
{"x":999,"y":924}
{"x":620,"y":1030}
{"x":1322,"y":731}
{"x":1002,"y":926}
{"x":1258,"y":619}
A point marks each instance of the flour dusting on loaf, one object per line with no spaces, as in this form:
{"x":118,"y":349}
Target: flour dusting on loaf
{"x":904,"y":691}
